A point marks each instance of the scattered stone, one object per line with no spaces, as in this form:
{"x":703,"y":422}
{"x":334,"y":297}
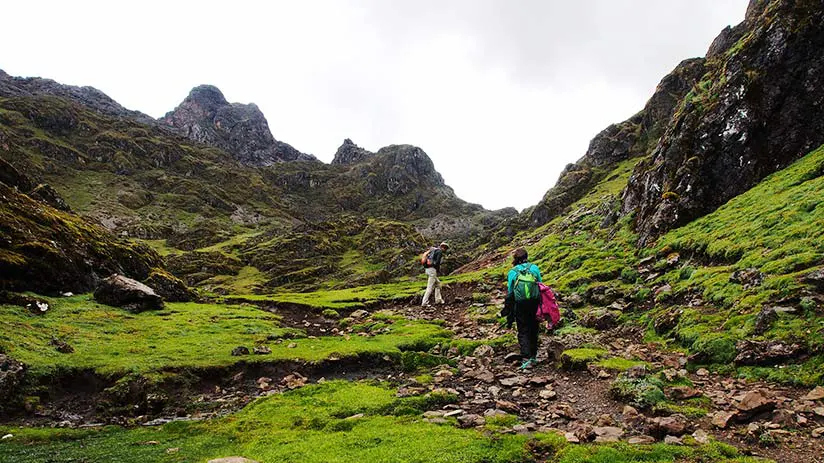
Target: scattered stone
{"x":763,"y":353}
{"x":232,"y":460}
{"x":608,"y":433}
{"x":672,"y":440}
{"x":784,"y":418}
{"x":359,"y":314}
{"x":61,"y":346}
{"x":240,"y":350}
{"x":602,"y":374}
{"x":513,"y":381}
{"x":722,"y":419}
{"x":667,"y":321}
{"x":641,"y":440}
{"x":663,"y":291}
{"x":605,"y":420}
{"x":483,"y":351}
{"x":521,"y":429}
{"x":815,"y":394}
{"x":540,"y":380}
{"x":765,"y":319}
{"x":748,"y":278}
{"x":548,"y":394}
{"x":7,"y":436}
{"x":453,"y":413}
{"x":636,"y":371}
{"x":470,"y":420}
{"x":571,"y":438}
{"x":701,"y":436}
{"x":132,"y":295}
{"x":485,"y":376}
{"x":815,"y":278}
{"x":294,"y":381}
{"x":683,"y":392}
{"x":433,"y":414}
{"x":494,"y":412}
{"x":291,"y":345}
{"x":819,"y":411}
{"x":574,"y":300}
{"x":753,"y":403}
{"x":675,"y":425}
{"x":703,"y":372}
{"x":600,"y":319}
{"x":818,"y":432}
{"x":507,"y":406}
{"x":512,"y":357}
{"x":262,"y":350}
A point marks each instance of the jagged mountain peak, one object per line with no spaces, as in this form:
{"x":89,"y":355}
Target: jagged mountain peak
{"x":350,"y":153}
{"x":241,"y":130}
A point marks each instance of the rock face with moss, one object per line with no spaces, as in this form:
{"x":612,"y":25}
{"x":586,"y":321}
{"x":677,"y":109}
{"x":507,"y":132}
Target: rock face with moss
{"x":205,"y":116}
{"x":87,"y":96}
{"x":619,"y":142}
{"x":47,"y":249}
{"x":756,"y":110}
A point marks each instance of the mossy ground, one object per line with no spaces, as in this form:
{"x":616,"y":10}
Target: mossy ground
{"x":112,"y":341}
{"x":313,"y":424}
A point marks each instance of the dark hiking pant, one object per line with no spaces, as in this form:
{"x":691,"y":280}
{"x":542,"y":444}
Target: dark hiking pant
{"x":527,"y":327}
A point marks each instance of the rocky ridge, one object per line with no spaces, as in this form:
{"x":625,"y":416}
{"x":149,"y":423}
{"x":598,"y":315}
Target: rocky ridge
{"x":756,"y":110}
{"x":241,"y":130}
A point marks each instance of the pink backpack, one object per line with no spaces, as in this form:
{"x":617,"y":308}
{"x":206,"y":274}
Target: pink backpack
{"x":548,"y":309}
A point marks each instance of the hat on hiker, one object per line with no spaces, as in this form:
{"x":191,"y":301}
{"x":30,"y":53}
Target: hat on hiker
{"x":444,"y":245}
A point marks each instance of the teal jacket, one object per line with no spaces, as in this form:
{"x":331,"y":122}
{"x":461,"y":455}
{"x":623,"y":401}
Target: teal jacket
{"x":513,"y":274}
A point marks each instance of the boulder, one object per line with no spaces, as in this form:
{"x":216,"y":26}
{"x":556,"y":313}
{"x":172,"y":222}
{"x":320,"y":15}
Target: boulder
{"x":132,"y":295}
{"x":169,"y":287}
{"x":11,"y":375}
{"x":722,"y":419}
{"x":753,"y":403}
{"x":766,"y":352}
{"x":675,"y":425}
{"x":816,"y":279}
{"x":765,"y":319}
{"x":600,"y":319}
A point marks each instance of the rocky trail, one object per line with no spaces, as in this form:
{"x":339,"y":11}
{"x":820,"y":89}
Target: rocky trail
{"x":643,"y":395}
{"x":782,"y":423}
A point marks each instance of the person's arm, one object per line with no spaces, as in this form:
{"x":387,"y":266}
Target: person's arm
{"x":510,"y":277}
{"x":537,"y":273}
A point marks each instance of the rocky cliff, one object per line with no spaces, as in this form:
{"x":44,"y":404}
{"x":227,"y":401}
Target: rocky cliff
{"x":239,"y":129}
{"x":619,"y":142}
{"x":755,"y":110}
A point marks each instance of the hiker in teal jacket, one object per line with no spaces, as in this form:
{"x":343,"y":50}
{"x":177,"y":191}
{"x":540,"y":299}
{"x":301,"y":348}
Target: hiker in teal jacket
{"x":523,"y":295}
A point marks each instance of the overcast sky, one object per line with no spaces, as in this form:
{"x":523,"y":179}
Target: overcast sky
{"x":502,"y":94}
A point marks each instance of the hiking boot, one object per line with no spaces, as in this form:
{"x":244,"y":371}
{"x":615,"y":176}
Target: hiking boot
{"x":528,"y":363}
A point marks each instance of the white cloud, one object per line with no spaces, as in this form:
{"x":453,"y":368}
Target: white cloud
{"x":501,"y":94}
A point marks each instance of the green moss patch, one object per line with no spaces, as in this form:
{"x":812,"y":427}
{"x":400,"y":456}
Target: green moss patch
{"x":109,"y":340}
